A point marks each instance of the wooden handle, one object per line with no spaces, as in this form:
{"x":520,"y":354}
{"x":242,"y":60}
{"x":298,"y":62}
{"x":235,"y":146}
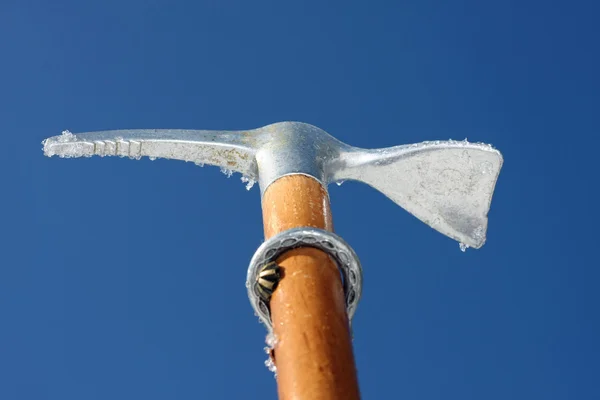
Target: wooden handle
{"x":313,"y":353}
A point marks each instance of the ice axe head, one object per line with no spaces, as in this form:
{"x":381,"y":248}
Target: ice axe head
{"x":446,"y":184}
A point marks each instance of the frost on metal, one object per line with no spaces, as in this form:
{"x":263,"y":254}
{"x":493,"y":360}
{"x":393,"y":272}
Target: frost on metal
{"x":66,"y":137}
{"x":248,"y":181}
{"x":227,"y":150}
{"x":227,"y":172}
{"x":446,"y":184}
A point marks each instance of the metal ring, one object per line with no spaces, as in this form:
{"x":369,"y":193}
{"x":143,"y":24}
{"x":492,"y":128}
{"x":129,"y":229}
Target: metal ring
{"x":346,"y":259}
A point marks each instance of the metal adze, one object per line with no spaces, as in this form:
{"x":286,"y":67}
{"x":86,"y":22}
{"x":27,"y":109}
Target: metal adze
{"x":446,"y":184}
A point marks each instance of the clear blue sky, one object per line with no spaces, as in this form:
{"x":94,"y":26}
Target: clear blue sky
{"x":124,"y":279}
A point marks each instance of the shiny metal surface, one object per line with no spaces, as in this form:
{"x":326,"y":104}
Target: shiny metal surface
{"x":345,"y":258}
{"x":446,"y":184}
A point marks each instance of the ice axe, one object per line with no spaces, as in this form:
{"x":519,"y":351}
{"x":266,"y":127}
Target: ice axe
{"x":304,"y":281}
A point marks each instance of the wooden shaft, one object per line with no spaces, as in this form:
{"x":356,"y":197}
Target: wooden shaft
{"x":313,"y":352}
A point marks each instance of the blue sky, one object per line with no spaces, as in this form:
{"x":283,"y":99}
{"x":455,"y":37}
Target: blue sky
{"x":125,"y":279}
